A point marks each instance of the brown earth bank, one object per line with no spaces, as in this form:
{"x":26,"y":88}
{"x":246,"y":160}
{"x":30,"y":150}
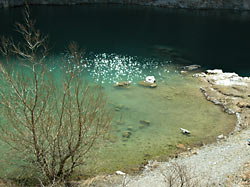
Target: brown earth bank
{"x":187,"y":4}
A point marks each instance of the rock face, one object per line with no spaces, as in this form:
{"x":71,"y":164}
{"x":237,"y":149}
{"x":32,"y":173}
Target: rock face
{"x":190,"y":4}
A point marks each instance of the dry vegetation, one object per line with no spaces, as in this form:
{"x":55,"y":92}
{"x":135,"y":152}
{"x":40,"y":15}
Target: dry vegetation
{"x":178,"y":175}
{"x":48,"y":126}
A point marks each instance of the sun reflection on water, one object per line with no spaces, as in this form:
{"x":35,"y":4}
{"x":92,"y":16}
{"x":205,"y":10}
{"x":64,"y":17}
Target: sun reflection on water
{"x":112,"y":68}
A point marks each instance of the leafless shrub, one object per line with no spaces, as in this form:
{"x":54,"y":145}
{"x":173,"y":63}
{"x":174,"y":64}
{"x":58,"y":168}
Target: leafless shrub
{"x":177,"y":175}
{"x":49,"y":127}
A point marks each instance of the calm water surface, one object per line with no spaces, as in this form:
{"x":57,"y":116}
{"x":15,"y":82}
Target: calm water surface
{"x":211,"y":38}
{"x":127,"y":44}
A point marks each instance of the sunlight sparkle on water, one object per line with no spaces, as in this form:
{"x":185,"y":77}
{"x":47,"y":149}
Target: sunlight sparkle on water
{"x":113,"y":68}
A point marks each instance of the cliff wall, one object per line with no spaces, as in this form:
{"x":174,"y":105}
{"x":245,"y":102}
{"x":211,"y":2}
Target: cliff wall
{"x":190,"y":4}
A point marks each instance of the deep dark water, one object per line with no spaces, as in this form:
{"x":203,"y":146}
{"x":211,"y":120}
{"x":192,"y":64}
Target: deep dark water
{"x":214,"y":39}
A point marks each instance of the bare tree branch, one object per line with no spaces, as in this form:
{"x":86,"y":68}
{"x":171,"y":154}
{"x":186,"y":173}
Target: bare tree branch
{"x":49,"y":125}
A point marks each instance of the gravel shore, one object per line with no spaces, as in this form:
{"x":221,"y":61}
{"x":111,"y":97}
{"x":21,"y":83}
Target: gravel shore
{"x":212,"y":165}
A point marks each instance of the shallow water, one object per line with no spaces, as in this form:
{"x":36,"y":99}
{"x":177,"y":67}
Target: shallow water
{"x":147,"y":121}
{"x":133,"y":44}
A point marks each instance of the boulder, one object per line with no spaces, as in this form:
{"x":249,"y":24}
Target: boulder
{"x":150,"y":79}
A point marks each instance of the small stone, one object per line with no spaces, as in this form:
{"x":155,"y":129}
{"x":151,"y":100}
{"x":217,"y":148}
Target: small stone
{"x":194,"y":152}
{"x":120,"y":173}
{"x":220,"y":137}
{"x":185,"y":131}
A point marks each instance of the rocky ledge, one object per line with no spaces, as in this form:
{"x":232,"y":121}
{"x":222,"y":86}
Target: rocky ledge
{"x":188,"y":4}
{"x":230,"y":91}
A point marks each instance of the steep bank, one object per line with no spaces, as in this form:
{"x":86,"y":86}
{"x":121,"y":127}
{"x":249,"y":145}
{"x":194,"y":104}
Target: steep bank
{"x":189,"y":4}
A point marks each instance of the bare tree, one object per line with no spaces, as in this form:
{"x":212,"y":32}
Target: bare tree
{"x":49,"y":125}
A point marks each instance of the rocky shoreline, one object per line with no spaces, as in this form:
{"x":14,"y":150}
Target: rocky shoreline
{"x":230,"y":91}
{"x":219,"y":164}
{"x":186,"y":4}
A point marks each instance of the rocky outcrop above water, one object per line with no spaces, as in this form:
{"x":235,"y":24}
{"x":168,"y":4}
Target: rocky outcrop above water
{"x":189,"y":4}
{"x":230,"y":91}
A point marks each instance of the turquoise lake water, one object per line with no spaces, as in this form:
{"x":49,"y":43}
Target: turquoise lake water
{"x":125,"y":43}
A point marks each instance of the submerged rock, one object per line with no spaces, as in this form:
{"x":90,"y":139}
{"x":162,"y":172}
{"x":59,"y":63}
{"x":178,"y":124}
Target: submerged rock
{"x":119,"y":122}
{"x":191,"y":67}
{"x":147,"y":84}
{"x":126,"y":134}
{"x":130,"y":128}
{"x":119,"y":107}
{"x":123,"y":84}
{"x":145,"y":122}
{"x":141,"y":126}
